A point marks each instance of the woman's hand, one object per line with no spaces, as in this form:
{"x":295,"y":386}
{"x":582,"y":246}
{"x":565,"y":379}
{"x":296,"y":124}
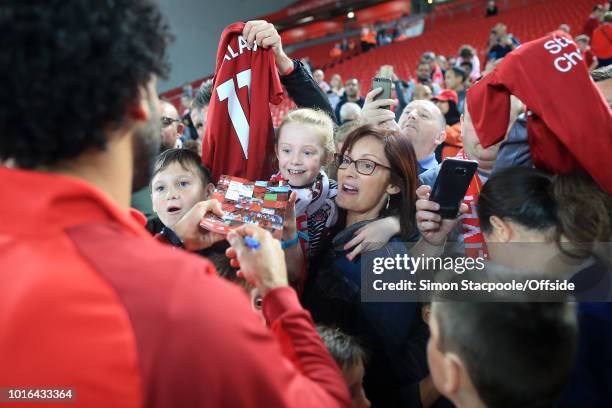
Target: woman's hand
{"x":433,"y":228}
{"x":372,"y":236}
{"x":263,"y":267}
{"x":188,"y":227}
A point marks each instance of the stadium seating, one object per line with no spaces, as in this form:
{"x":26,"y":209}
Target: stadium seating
{"x":446,"y":29}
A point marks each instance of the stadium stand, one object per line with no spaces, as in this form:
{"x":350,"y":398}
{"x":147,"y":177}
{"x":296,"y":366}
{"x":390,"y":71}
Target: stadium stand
{"x":446,"y":29}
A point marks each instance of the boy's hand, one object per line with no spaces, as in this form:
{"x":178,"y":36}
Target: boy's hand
{"x":266,"y":36}
{"x":188,"y":227}
{"x":263,"y":267}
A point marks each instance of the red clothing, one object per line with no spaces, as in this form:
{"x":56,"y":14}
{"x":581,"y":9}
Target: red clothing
{"x":601,"y":42}
{"x":570,"y":128}
{"x":590,"y":25}
{"x":239,"y":125}
{"x":453,"y":142}
{"x":438,"y":77}
{"x":89,"y":300}
{"x":588,"y":57}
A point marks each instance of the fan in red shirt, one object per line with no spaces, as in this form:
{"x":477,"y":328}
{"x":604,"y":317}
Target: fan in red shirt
{"x":601,"y":41}
{"x":239,"y":139}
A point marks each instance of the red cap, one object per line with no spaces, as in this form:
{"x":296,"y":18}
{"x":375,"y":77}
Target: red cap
{"x":447,"y":95}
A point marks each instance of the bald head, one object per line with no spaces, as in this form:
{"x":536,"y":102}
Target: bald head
{"x":166,"y":109}
{"x":429,"y":108}
{"x":171,"y":125}
{"x":423,"y":124}
{"x":349,"y":111}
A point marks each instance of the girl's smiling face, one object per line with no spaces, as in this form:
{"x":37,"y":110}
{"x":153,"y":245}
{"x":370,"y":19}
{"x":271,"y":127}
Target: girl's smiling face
{"x":300,"y":154}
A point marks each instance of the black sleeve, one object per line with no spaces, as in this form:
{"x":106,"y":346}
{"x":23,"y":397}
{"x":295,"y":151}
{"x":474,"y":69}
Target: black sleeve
{"x":304,"y":91}
{"x":401,"y":100}
{"x":337,"y":112}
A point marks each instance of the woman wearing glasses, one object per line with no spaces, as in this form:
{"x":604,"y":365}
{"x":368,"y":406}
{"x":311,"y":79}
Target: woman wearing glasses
{"x":377,"y":177}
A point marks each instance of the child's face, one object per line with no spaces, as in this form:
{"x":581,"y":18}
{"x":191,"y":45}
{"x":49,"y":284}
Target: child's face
{"x":174,"y":192}
{"x":354,"y":379}
{"x":300,"y":154}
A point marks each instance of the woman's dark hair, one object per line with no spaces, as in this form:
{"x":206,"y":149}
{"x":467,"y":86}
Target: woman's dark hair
{"x":70,"y":70}
{"x":452,"y":116}
{"x":572,"y":205}
{"x":403,"y":163}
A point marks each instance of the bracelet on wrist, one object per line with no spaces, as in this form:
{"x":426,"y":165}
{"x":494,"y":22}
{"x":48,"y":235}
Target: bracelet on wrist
{"x":290,"y":243}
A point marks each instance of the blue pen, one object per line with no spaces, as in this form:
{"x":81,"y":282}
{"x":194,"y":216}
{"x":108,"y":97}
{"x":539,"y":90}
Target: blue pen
{"x":251,"y":242}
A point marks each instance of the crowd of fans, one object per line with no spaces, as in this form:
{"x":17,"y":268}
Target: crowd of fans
{"x":175,"y":315}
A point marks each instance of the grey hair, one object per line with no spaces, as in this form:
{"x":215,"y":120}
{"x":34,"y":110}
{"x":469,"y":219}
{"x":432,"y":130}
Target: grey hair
{"x":202,"y":96}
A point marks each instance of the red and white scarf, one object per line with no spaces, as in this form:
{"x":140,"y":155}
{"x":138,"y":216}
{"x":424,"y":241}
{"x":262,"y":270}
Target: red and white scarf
{"x":473,"y":240}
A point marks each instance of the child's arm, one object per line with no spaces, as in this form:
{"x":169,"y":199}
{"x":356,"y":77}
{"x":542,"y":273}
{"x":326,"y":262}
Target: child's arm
{"x":188,"y":230}
{"x":373,"y":236}
{"x":294,"y":257}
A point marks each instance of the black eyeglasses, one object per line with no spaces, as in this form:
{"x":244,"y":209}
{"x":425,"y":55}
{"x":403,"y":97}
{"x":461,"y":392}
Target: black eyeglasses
{"x":363,"y":166}
{"x":165,"y":121}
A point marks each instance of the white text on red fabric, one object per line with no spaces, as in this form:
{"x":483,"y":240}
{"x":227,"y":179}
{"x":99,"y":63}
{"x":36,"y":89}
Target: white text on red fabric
{"x":567,"y":61}
{"x":242,"y":45}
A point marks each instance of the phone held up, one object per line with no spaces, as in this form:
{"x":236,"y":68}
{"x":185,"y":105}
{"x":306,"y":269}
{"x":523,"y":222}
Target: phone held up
{"x":385,"y":84}
{"x":451,"y":185}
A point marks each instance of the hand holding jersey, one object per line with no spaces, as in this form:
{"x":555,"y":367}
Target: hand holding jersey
{"x":266,"y":36}
{"x":239,"y":123}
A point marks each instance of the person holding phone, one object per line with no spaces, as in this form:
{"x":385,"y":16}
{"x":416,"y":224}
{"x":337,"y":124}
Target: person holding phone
{"x":469,"y":231}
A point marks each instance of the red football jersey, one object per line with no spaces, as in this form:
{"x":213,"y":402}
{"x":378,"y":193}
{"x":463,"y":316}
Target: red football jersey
{"x":570,"y":127}
{"x":239,"y":139}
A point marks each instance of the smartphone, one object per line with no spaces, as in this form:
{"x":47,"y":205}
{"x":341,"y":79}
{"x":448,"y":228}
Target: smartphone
{"x":451,"y":185}
{"x":386,"y":71}
{"x":385,"y":84}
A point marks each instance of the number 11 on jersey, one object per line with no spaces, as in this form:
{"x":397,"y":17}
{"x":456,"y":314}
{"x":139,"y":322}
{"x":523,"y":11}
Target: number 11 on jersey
{"x":227,"y":90}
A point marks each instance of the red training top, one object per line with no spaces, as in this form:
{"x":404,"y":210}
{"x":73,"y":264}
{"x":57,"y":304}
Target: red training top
{"x":588,"y":57}
{"x":570,"y":126}
{"x":90,"y":300}
{"x":239,"y":139}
